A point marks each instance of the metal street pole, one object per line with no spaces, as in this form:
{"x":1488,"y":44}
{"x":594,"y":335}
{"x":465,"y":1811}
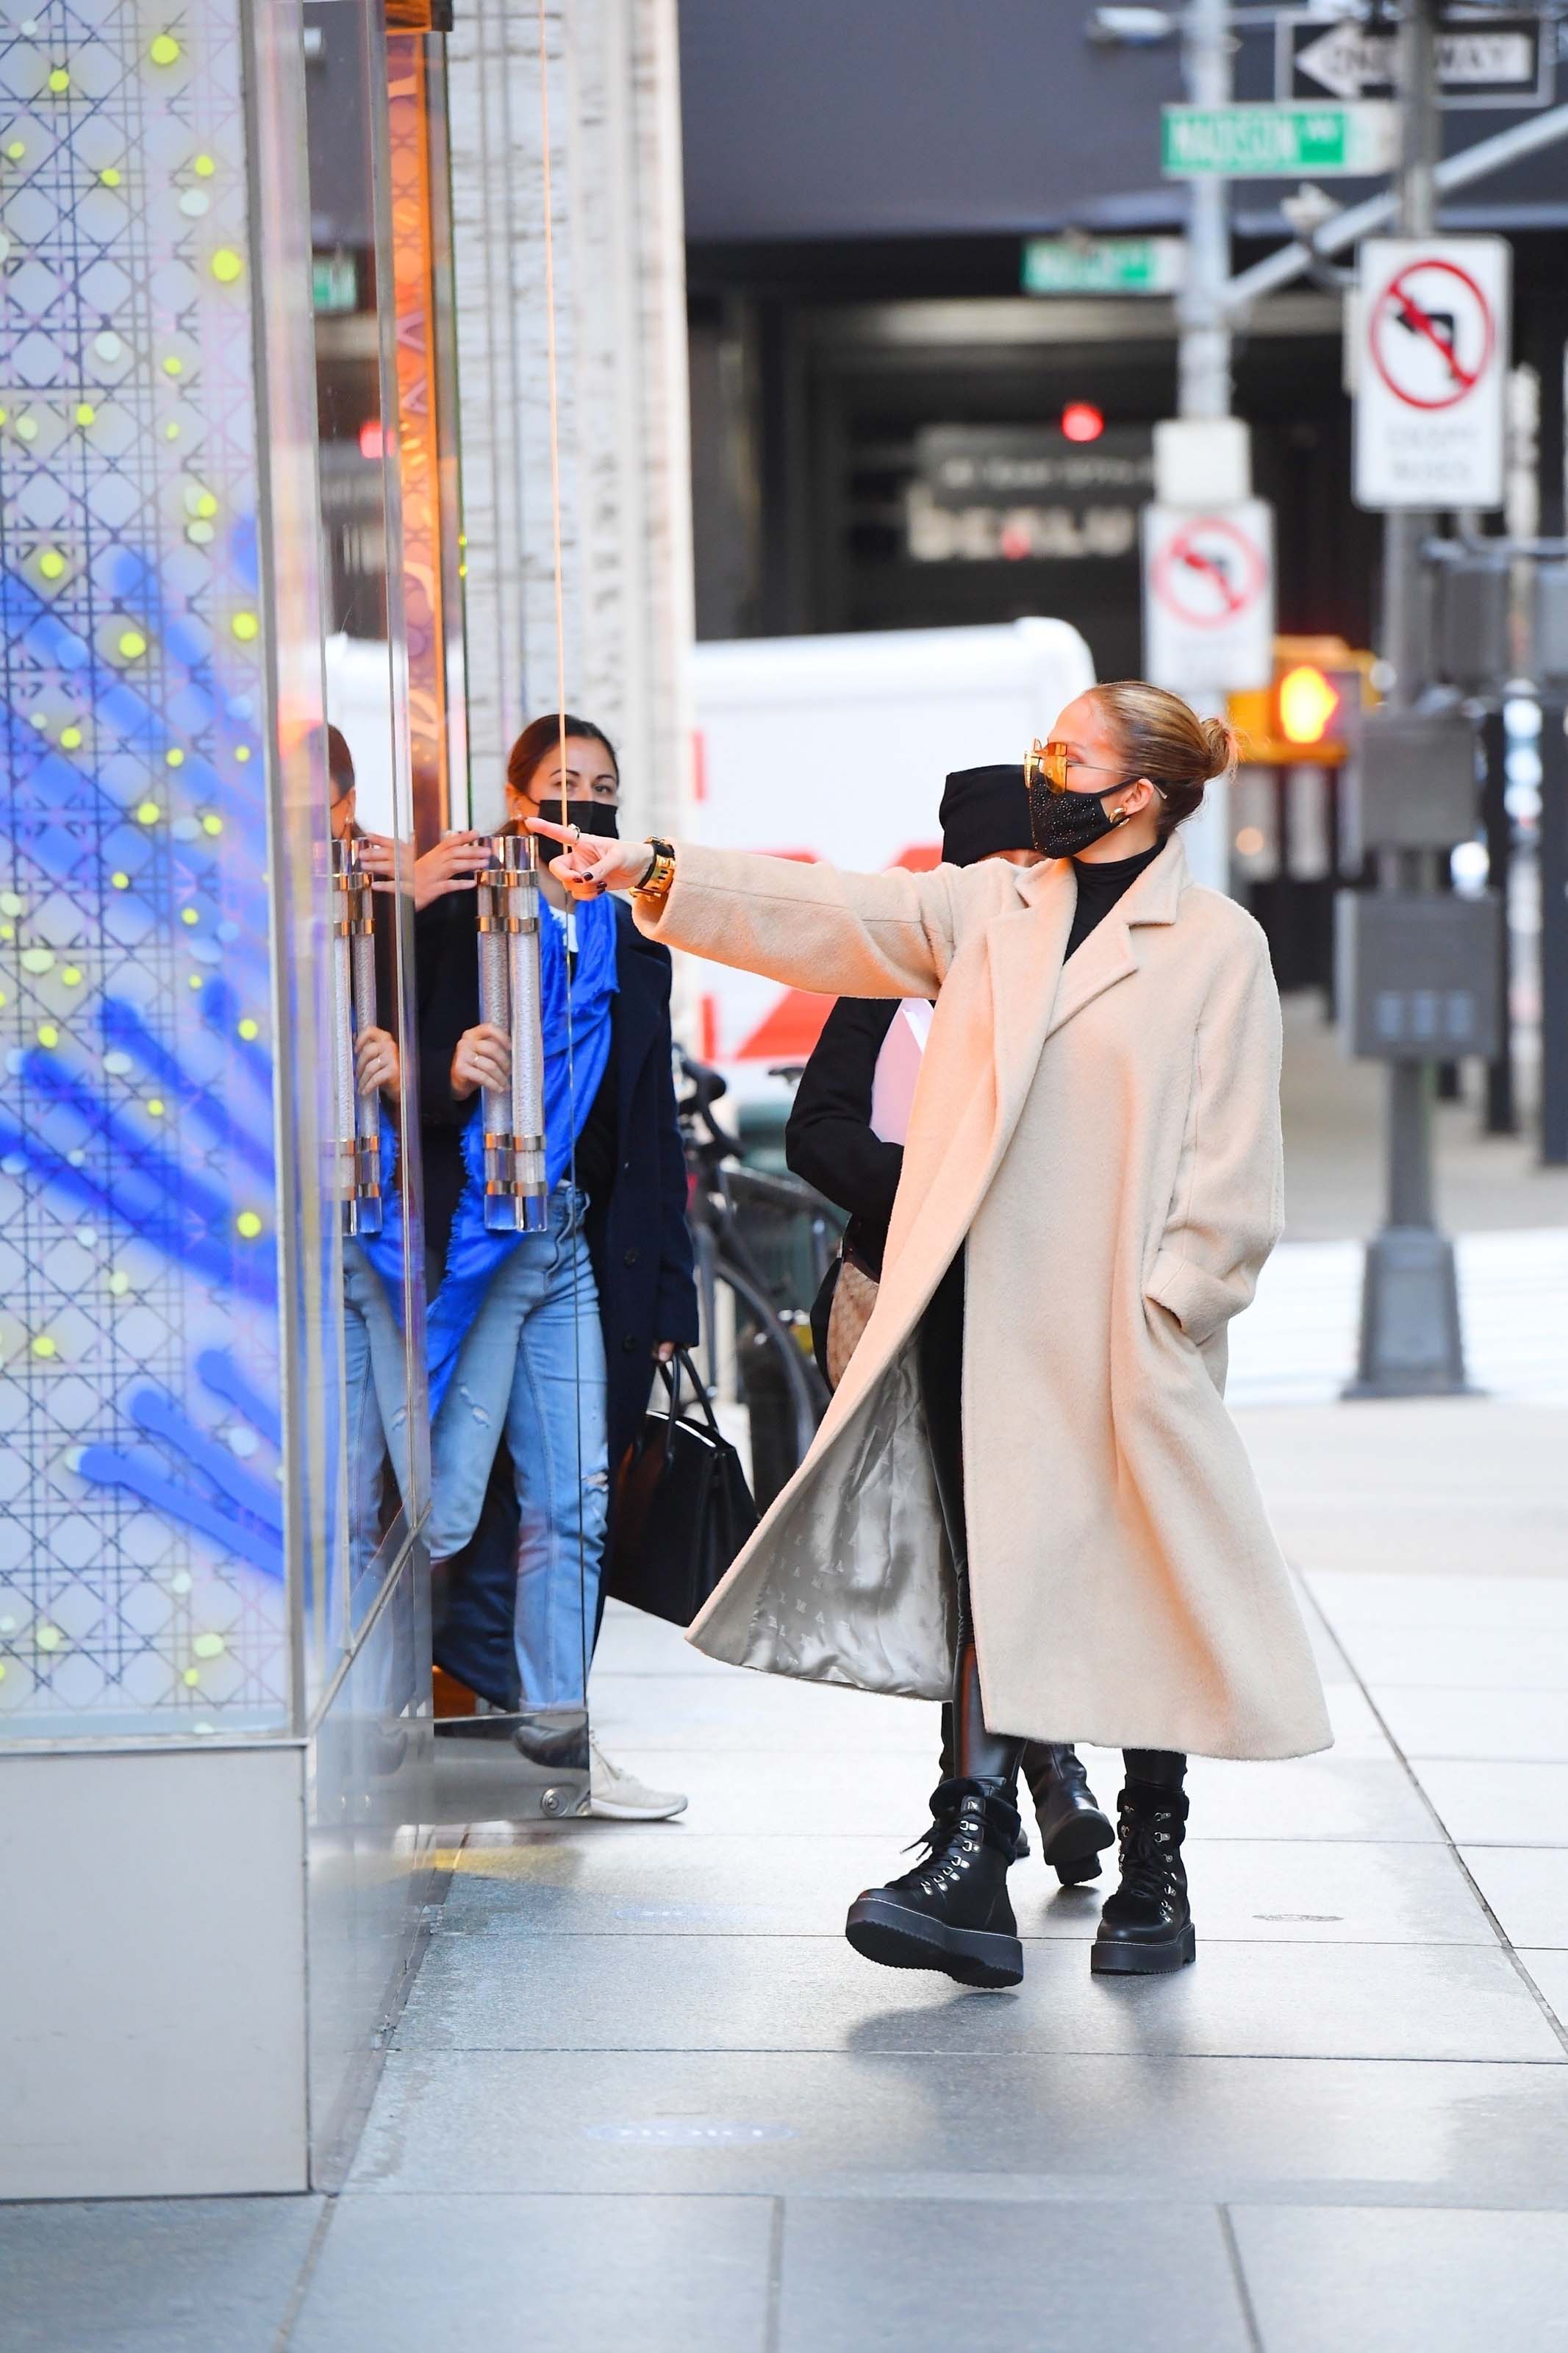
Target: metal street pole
{"x":1203,"y":351}
{"x":1411,"y":1343}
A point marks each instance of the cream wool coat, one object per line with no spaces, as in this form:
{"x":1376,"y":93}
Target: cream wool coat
{"x":1104,"y":1134}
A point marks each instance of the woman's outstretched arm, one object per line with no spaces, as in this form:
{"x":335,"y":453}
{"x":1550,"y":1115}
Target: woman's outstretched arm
{"x":805,"y":926}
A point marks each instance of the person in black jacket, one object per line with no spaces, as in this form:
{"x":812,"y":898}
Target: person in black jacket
{"x":626,"y":1172}
{"x":849,"y":1144}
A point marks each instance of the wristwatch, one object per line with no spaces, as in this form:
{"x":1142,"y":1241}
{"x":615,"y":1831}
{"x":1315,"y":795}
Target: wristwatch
{"x":659,"y":872}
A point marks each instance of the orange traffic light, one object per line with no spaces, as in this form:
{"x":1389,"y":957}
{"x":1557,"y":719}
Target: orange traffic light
{"x":1311,"y":713}
{"x":1306,"y":703}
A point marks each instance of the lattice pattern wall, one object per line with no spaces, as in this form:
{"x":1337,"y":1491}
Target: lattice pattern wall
{"x":140,"y":1541}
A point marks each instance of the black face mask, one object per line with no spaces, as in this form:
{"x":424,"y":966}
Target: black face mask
{"x":597,"y":817}
{"x":1065,"y":823}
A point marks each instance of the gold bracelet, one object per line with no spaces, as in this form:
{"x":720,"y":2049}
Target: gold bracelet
{"x":661,"y":873}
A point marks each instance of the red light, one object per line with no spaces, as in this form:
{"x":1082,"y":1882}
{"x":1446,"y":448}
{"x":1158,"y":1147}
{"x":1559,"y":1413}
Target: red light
{"x":1082,"y":422}
{"x":371,"y":438}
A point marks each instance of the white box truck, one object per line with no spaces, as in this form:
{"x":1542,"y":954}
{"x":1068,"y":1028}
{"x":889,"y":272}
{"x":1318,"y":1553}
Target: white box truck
{"x":837,"y":747}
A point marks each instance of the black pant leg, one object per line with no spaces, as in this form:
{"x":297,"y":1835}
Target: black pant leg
{"x":977,"y":1754}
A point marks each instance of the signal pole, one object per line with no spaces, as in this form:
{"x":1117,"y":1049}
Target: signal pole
{"x":1411,"y":1343}
{"x":1202,"y":359}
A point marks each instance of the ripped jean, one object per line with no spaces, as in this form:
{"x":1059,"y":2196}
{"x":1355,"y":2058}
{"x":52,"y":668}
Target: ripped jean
{"x":533,"y":1364}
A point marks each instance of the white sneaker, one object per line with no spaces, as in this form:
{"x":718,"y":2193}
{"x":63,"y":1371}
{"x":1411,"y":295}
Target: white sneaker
{"x":617,"y":1797}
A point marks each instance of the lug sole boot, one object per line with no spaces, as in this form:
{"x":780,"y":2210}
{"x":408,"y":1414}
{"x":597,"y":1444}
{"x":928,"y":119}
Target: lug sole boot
{"x":951,"y":1912}
{"x":1146,"y":1928}
{"x":1074,"y":1833}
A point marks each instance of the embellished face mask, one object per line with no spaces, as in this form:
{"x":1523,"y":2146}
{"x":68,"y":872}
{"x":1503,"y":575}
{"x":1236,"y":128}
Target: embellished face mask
{"x":1062,"y":822}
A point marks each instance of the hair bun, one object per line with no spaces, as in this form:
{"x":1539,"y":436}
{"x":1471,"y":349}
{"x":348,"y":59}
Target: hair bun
{"x":1221,"y":748}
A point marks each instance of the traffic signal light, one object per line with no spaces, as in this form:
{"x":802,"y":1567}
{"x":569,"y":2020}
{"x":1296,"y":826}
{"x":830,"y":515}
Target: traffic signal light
{"x":1311,"y":713}
{"x":1306,"y":703}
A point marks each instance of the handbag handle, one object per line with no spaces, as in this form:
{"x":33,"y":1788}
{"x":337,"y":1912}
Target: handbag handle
{"x":683,"y":1363}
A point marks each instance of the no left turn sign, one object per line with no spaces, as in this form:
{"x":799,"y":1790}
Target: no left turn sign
{"x":1208,"y":596}
{"x":1432,"y":324}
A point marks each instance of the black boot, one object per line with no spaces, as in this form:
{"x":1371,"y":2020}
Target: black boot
{"x":951,"y":1912}
{"x":1073,"y":1830}
{"x":1146,"y":1929}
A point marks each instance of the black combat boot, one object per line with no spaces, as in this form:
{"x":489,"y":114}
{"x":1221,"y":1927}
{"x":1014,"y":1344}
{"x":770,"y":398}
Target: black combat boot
{"x":1146,"y":1929}
{"x":1073,"y":1830}
{"x":951,"y":1912}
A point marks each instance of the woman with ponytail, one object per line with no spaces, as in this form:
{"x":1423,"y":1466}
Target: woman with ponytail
{"x":1026,"y":1497}
{"x":548,"y":1338}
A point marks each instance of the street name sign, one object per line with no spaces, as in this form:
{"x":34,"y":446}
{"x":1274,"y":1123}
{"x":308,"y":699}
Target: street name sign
{"x":1494,"y":61}
{"x":1275,"y":142}
{"x":1432,"y":322}
{"x":1208,"y":596}
{"x":1103,"y":265}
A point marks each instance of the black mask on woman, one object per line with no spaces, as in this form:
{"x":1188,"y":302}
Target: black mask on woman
{"x":1065,"y":823}
{"x":597,"y":817}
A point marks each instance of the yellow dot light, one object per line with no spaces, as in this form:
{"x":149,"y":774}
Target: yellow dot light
{"x":70,"y":739}
{"x":191,"y":1678}
{"x":47,"y":1034}
{"x":148,"y":813}
{"x":155,"y":1106}
{"x":249,"y":1224}
{"x":203,"y":167}
{"x":14,"y":152}
{"x":242,"y":752}
{"x":109,"y":176}
{"x":174,"y":758}
{"x":206,"y":504}
{"x":195,"y":981}
{"x":250,"y":1028}
{"x":51,"y":563}
{"x":132,"y":645}
{"x":44,"y":1346}
{"x":171,"y":431}
{"x":121,"y":881}
{"x":72,"y":975}
{"x":244,"y":627}
{"x":212,"y":824}
{"x":163,"y":49}
{"x":174,"y":365}
{"x":59,"y":80}
{"x":227,"y":265}
{"x":189,"y":915}
{"x":85,"y":412}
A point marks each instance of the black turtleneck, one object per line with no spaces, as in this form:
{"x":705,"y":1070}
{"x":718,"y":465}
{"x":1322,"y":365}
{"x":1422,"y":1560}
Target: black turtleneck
{"x":1099,"y":885}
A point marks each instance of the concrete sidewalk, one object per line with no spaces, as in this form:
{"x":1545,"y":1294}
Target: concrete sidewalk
{"x":645,"y":2095}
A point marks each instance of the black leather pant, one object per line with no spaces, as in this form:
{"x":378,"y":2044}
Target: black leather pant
{"x":979,"y":1754}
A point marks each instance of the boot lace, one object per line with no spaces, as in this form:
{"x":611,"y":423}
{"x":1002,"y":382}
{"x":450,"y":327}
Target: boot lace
{"x":1148,"y":1853}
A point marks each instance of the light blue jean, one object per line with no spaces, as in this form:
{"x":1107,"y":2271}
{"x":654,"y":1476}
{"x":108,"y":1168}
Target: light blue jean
{"x":533,"y":1364}
{"x":376,"y":1383}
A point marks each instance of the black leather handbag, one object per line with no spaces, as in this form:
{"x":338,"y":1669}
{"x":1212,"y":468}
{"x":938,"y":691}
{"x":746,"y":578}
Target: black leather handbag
{"x":683,"y":1509}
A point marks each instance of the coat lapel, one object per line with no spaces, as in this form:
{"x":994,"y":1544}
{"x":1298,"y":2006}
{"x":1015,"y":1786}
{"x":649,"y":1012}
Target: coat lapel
{"x":1034,"y":993}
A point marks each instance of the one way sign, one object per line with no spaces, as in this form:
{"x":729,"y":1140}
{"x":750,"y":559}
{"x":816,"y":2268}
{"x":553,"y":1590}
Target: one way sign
{"x":1498,"y":61}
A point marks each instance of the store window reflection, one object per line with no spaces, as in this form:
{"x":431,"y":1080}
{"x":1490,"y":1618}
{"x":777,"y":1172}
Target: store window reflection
{"x":368,"y":762}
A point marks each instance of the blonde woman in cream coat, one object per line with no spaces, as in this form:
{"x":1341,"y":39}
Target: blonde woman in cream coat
{"x":1026,"y":1496}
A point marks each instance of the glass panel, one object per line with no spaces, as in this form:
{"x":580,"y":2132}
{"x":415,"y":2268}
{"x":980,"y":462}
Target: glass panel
{"x":367,"y":693}
{"x":142,"y":1551}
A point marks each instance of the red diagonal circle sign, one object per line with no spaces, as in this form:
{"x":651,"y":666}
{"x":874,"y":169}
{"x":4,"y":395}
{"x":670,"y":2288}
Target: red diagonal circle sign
{"x":1208,"y":572}
{"x":1431,"y":305}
